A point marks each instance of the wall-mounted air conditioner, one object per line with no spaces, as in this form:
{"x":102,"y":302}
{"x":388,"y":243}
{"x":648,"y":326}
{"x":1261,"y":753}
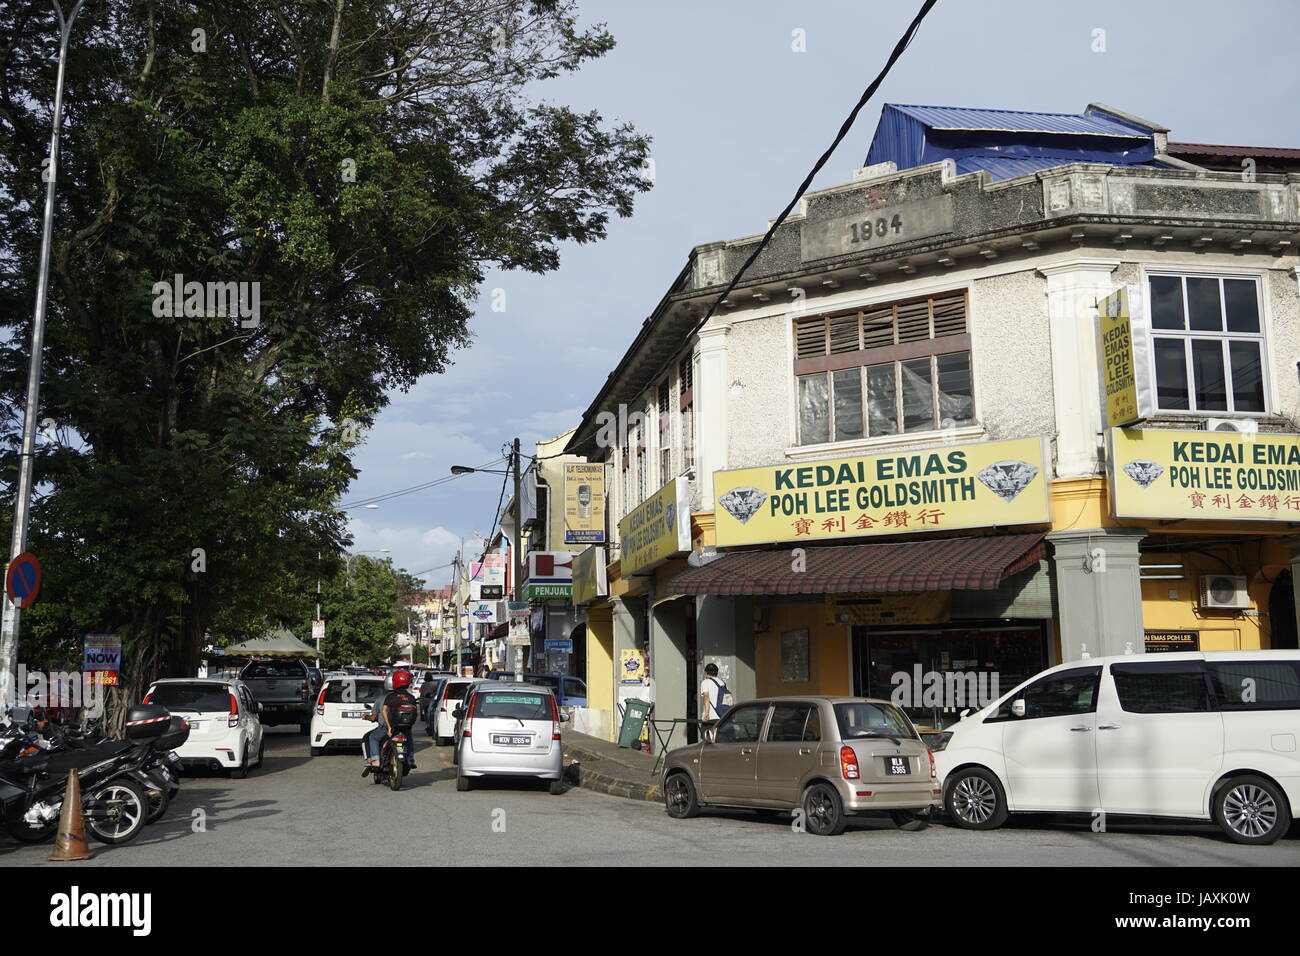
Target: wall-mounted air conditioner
{"x":1224,"y":592}
{"x":1242,"y":426}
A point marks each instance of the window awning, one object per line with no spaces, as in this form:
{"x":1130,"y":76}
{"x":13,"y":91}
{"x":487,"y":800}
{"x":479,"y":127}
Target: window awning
{"x":941,"y":565}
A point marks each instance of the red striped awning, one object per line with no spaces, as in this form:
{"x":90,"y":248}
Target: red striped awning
{"x":940,"y":565}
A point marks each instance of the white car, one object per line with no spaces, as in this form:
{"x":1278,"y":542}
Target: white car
{"x":225,"y":732}
{"x":341,"y":707}
{"x":509,"y":730}
{"x":449,"y":698}
{"x":1202,"y":736}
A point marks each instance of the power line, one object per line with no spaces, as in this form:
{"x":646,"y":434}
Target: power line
{"x":389,"y":495}
{"x":903,"y":43}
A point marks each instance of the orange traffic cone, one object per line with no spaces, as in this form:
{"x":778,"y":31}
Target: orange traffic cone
{"x":70,"y":844}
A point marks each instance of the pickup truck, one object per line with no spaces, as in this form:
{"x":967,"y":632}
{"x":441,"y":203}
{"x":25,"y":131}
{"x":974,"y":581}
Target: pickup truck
{"x":285,"y":689}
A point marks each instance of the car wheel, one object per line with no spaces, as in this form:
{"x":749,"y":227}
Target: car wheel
{"x":240,"y":772}
{"x":556,"y":788}
{"x":823,"y":810}
{"x":117,"y":812}
{"x":261,"y":753}
{"x":1252,"y":810}
{"x":680,"y":799}
{"x":304,"y":730}
{"x":910,"y":820}
{"x":975,"y":800}
{"x":463,"y":783}
{"x":317,"y":751}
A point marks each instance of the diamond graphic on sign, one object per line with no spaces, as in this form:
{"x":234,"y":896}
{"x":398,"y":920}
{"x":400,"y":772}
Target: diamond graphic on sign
{"x":1006,"y":479}
{"x":743,"y":503}
{"x":1143,"y":472}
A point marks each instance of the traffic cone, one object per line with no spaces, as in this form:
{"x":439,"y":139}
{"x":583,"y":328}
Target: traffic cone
{"x":70,"y":844}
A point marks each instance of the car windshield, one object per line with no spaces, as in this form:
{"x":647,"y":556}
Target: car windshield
{"x":273,"y":669}
{"x":204,"y":698}
{"x":353,"y":691}
{"x":865,"y":719}
{"x":516,"y":706}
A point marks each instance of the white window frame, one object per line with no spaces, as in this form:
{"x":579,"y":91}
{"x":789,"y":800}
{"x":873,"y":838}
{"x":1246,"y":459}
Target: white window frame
{"x":1263,"y":336}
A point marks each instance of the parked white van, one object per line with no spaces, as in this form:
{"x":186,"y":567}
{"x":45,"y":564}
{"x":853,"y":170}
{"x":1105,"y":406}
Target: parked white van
{"x":1203,"y":736}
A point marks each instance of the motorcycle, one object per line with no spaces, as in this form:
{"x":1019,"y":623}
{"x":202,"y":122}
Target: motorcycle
{"x":396,"y":759}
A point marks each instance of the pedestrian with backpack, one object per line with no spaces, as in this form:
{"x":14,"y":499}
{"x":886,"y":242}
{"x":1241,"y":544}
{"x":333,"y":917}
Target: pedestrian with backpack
{"x":715,"y":696}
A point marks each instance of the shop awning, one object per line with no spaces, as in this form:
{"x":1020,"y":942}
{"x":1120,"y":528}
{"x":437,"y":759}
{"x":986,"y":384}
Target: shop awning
{"x":939,"y":565}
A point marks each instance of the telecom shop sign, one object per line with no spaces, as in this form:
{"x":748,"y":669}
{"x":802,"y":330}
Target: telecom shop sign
{"x":1225,"y":476}
{"x":102,"y":658}
{"x":979,"y":485}
{"x":584,"y":503}
{"x":1121,"y":350}
{"x":658,"y":528}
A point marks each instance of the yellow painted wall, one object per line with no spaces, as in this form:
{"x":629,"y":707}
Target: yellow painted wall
{"x":600,"y":658}
{"x":828,"y":652}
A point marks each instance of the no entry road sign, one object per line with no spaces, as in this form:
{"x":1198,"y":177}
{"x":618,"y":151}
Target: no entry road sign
{"x":23,"y":579}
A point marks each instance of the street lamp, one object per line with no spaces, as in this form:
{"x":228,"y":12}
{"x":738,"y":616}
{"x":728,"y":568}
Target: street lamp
{"x":517,"y":560}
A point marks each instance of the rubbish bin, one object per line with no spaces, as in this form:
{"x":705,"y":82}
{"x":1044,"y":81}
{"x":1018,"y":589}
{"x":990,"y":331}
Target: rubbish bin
{"x":634,"y":715}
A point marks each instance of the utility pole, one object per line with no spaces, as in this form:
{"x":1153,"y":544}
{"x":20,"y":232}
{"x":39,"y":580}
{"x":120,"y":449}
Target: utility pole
{"x":518,"y":557}
{"x":23,"y":493}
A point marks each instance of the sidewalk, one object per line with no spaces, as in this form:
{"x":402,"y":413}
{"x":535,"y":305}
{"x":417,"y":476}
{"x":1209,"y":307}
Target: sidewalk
{"x":607,"y":768}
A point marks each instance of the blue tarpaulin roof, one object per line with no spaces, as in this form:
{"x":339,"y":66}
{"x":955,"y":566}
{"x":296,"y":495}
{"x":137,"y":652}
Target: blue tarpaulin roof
{"x":1006,"y":143}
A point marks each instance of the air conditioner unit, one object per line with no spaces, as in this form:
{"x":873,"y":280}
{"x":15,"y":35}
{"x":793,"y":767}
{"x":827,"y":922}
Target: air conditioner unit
{"x":1224,"y":592}
{"x":1242,"y":426}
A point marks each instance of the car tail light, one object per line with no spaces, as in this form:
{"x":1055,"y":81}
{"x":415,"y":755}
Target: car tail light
{"x":233,"y":720}
{"x":555,"y":720}
{"x":849,"y":763}
{"x":148,"y":698}
{"x":320,"y":703}
{"x":933,"y":775}
{"x":302,"y":689}
{"x":469,"y":716}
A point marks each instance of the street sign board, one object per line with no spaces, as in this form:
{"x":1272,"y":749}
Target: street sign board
{"x":317,"y":630}
{"x":102,"y":658}
{"x":560,"y":646}
{"x":23,"y":579}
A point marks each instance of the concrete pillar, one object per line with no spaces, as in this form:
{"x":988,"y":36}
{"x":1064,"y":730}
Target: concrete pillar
{"x":668,"y":665}
{"x":628,"y":620}
{"x":724,"y":635}
{"x":1073,"y":290}
{"x":711,"y":389}
{"x":1099,"y":593}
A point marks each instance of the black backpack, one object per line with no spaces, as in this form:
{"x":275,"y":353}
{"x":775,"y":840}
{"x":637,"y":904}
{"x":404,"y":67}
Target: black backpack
{"x":402,"y":709}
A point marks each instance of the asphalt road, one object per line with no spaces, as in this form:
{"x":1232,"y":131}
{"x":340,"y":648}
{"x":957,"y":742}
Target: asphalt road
{"x":300,"y":810}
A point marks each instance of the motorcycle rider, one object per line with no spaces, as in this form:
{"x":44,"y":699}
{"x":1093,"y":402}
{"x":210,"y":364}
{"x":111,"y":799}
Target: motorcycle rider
{"x":382,"y":713}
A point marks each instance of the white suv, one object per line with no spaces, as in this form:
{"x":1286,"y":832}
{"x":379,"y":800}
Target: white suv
{"x":1202,"y":736}
{"x":225,"y":732}
{"x":341,"y":707}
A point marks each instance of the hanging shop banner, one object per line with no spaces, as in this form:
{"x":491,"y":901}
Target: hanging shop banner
{"x":519,"y":635}
{"x":1162,"y":473}
{"x":904,"y":607}
{"x":485,"y":612}
{"x":102,"y":658}
{"x":491,"y":570}
{"x":590,"y":580}
{"x":957,"y":486}
{"x":1121,"y":352}
{"x":584,"y":503}
{"x":658,"y":528}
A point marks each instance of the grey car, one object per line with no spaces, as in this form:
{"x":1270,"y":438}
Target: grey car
{"x":825,"y":757}
{"x":509,"y":729}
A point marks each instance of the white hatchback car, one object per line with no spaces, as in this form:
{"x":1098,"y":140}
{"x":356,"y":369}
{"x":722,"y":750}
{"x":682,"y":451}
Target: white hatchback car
{"x":341,"y":708}
{"x":225,"y":732}
{"x":510,"y":730}
{"x":1203,"y":736}
{"x":449,"y":698}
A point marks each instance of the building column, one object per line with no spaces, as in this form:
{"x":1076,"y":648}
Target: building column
{"x":711,"y":390}
{"x":724,"y":629}
{"x":1099,"y":592}
{"x":627,"y":617}
{"x":1073,"y":291}
{"x":668,"y":666}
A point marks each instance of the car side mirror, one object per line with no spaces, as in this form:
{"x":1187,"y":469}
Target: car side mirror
{"x":964,"y":714}
{"x":1018,"y":708}
{"x":564,"y":718}
{"x":711,"y":736}
{"x":260,"y":708}
{"x":458,"y":713}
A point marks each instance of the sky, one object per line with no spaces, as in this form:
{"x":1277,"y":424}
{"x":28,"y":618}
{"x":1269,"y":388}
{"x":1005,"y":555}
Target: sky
{"x":738,"y":114}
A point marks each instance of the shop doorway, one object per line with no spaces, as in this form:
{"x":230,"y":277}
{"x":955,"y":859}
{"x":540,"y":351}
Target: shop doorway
{"x":1281,"y":613}
{"x":692,"y":675}
{"x":935,"y":672}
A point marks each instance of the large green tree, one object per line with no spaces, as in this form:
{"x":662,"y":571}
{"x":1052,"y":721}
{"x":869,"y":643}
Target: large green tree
{"x":363,"y":163}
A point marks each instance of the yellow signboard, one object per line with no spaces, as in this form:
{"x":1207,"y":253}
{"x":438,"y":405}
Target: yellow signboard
{"x":903,"y":607}
{"x":584,"y":503}
{"x":1161,"y":473}
{"x":1118,"y":376}
{"x":589,"y":579}
{"x":957,"y":486}
{"x":657,"y":528}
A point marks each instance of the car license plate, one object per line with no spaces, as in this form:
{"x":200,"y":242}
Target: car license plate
{"x":512,"y":740}
{"x":354,"y":713}
{"x":896,"y":765}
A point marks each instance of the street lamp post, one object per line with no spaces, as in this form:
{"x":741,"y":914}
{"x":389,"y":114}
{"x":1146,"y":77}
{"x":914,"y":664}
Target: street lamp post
{"x":23,"y":493}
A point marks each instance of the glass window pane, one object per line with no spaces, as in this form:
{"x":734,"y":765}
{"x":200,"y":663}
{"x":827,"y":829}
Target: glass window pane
{"x":848,"y":403}
{"x":1242,"y":302}
{"x":1174,"y":688}
{"x":1207,"y":372}
{"x":918,"y":395}
{"x":882,"y":400}
{"x":1203,"y":310}
{"x":787,"y":723}
{"x":1167,"y":302}
{"x":1247,"y":377}
{"x":814,"y":412}
{"x":955,"y":405}
{"x":1171,"y":374}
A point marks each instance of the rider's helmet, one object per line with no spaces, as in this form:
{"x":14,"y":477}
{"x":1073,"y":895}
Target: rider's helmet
{"x":400,"y":679}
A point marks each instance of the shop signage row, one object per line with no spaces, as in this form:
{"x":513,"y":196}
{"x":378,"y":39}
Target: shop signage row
{"x":657,"y":528}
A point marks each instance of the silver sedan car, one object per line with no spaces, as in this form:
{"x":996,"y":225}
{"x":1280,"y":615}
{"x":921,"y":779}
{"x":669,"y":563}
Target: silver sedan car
{"x":823,"y":757}
{"x":509,"y":729}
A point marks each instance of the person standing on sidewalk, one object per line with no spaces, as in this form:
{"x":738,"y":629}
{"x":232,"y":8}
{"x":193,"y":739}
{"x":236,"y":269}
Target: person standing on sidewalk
{"x":712,"y":691}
